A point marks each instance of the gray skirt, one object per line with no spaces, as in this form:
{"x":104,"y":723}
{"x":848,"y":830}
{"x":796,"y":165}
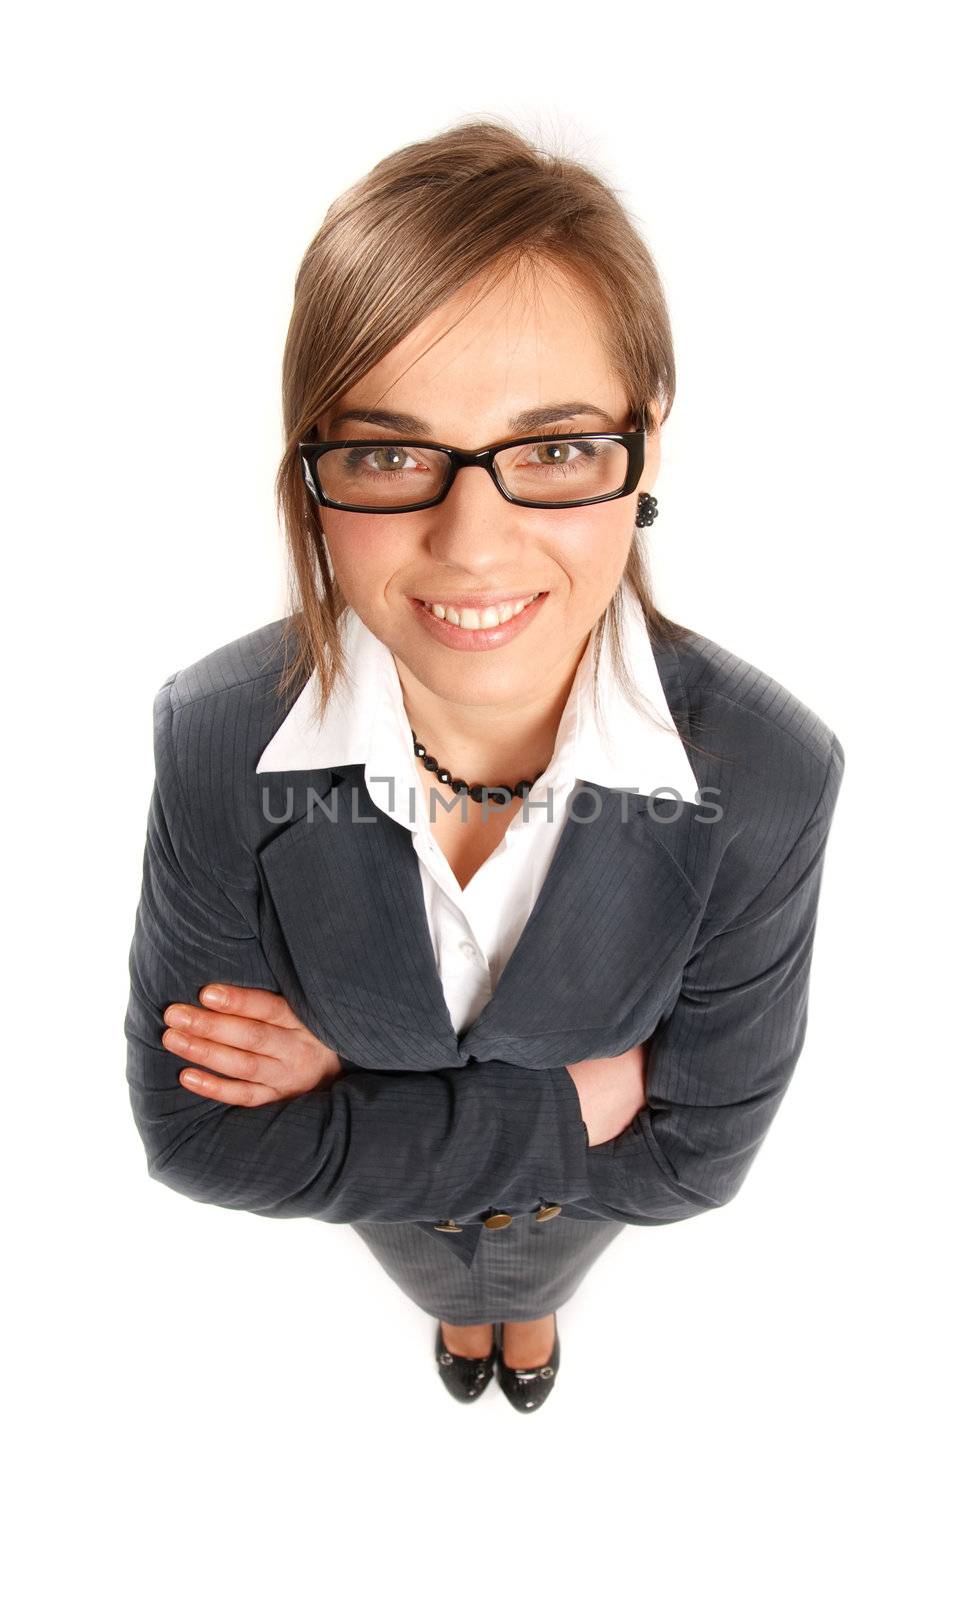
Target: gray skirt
{"x":519,"y":1273}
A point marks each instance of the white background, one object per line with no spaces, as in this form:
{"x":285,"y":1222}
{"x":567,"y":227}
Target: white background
{"x":771,"y":1399}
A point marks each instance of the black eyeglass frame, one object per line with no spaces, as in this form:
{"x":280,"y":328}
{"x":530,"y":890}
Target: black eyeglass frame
{"x":310,"y":451}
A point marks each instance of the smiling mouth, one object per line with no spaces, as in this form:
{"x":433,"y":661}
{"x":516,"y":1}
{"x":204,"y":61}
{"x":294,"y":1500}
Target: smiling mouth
{"x":473,"y":618}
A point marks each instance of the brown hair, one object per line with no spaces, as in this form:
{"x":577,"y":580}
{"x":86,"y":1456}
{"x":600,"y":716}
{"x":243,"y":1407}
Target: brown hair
{"x":475,"y":199}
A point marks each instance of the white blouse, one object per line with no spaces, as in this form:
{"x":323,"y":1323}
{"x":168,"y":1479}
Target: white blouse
{"x":474,"y":930}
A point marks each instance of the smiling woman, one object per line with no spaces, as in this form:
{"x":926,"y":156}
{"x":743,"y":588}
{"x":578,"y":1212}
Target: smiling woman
{"x":564,"y":992}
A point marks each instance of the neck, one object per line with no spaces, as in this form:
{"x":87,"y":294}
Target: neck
{"x":490,"y":743}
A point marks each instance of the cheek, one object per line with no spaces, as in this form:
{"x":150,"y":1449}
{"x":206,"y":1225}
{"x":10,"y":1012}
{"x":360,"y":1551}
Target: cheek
{"x":366,"y":552}
{"x":592,"y":548}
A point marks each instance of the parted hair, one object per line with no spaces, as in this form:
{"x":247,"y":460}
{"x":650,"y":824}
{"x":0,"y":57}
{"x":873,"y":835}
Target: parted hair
{"x":478,"y":200}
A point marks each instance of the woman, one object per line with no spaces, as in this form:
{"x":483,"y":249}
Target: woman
{"x":426,"y":872}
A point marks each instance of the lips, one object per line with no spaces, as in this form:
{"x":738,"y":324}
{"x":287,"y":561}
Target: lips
{"x":481,"y":633}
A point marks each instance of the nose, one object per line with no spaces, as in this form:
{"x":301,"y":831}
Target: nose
{"x":474,"y":522}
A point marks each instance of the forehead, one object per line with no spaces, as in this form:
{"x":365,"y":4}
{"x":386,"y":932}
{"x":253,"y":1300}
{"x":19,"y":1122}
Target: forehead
{"x":490,"y":353}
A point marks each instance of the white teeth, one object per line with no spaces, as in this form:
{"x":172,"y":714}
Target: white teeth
{"x":491,"y":617}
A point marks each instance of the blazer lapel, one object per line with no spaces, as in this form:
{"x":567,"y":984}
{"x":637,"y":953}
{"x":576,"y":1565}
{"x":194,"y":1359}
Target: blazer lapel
{"x":343,"y":892}
{"x":614,"y":909}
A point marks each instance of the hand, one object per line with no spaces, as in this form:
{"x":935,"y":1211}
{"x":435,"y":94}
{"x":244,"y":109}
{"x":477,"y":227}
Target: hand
{"x":612,"y":1091}
{"x":253,"y":1037}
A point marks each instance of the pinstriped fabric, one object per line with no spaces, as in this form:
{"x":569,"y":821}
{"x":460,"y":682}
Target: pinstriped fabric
{"x":724,"y":1057}
{"x":519,"y":1274}
{"x":364,"y":863}
{"x":698,"y":938}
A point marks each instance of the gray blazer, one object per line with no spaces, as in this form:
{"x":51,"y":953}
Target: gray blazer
{"x":691,"y":925}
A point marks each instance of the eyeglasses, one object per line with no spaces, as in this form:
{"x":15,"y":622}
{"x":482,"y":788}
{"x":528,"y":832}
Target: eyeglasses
{"x":545,"y":470}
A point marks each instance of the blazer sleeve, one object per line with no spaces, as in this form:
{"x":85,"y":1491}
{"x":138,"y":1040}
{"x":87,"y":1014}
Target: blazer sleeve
{"x":383,"y":1146}
{"x":721,"y":1062}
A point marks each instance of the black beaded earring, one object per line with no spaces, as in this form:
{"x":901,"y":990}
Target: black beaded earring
{"x":647,"y":511}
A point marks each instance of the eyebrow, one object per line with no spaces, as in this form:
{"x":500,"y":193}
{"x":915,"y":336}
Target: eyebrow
{"x":405,"y":423}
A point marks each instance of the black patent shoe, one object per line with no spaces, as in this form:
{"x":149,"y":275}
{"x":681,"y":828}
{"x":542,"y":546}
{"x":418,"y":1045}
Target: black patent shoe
{"x":464,"y":1377}
{"x":526,"y":1387}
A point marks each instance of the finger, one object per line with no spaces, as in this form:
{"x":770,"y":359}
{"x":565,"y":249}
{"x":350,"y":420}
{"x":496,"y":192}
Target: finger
{"x":241,"y":1033}
{"x":228,"y":1090}
{"x":224,"y":1058}
{"x":262,"y":1004}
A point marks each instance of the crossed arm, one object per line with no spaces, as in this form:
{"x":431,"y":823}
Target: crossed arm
{"x":248,"y":1048}
{"x":356,"y":1145}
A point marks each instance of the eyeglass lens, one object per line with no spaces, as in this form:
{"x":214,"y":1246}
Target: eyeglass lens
{"x":399,"y":474}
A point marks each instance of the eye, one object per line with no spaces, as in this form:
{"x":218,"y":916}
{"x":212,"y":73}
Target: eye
{"x":391,"y":457}
{"x":555,"y":451}
{"x":559,"y":455}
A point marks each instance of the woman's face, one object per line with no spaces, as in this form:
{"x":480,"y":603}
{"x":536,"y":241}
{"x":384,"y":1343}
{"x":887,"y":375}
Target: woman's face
{"x":515,"y":351}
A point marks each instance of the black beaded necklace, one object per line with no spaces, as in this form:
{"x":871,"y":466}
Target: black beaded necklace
{"x":500,"y":793}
